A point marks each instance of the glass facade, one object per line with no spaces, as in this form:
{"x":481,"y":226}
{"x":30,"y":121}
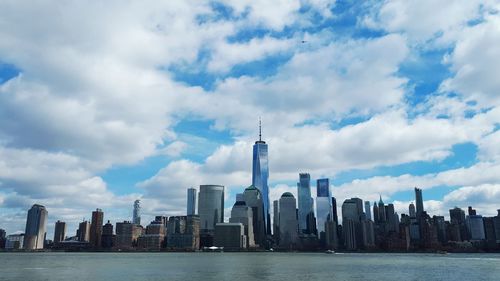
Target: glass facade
{"x":260,"y":175}
{"x":191,"y":201}
{"x":305,"y":200}
{"x":323,"y":203}
{"x":211,"y":206}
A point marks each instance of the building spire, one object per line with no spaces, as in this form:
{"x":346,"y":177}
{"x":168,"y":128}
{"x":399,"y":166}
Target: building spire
{"x":260,"y":130}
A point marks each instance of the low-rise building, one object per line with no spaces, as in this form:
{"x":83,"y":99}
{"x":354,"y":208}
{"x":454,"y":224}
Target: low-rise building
{"x":230,"y":236}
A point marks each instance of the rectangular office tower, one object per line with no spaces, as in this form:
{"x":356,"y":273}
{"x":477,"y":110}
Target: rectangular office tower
{"x":36,"y":225}
{"x":191,"y":201}
{"x":323,"y":204}
{"x":306,"y":211}
{"x":59,"y":232}
{"x":96,"y":229}
{"x":211,"y":211}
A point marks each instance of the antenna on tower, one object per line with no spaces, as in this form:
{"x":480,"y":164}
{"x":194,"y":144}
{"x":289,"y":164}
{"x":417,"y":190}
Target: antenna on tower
{"x":260,"y":130}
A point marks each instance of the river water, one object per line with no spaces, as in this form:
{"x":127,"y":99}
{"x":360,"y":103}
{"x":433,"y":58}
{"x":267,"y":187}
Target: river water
{"x":247,"y":266}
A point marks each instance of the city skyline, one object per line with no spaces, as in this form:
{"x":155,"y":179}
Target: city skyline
{"x":165,"y":96}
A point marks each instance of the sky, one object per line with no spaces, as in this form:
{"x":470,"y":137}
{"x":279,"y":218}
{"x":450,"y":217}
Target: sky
{"x":105,"y":102}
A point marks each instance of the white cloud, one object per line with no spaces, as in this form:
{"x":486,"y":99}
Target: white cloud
{"x":227,"y":54}
{"x":475,"y":61}
{"x":429,"y":20}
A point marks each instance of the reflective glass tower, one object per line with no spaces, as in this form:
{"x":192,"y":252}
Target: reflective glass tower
{"x":260,"y":175}
{"x":306,"y":211}
{"x":191,"y":201}
{"x":323,"y":203}
{"x":36,"y":225}
{"x":420,"y":202}
{"x":136,"y":215}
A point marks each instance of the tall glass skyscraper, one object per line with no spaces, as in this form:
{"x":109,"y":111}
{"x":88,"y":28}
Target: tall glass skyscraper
{"x":420,"y":202}
{"x":323,"y":203}
{"x":305,"y":203}
{"x":136,"y":215}
{"x":260,"y":175}
{"x":36,"y":225}
{"x":191,"y":201}
{"x":210,"y":206}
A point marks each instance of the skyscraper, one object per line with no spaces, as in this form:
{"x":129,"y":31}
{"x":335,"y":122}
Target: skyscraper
{"x":36,"y":224}
{"x":60,"y":231}
{"x":288,"y":220}
{"x":136,"y":216}
{"x":260,"y":175}
{"x":411,"y":209}
{"x":107,"y":235}
{"x":306,"y":212}
{"x":210,"y":206}
{"x":83,"y":232}
{"x":420,"y":202}
{"x":323,"y":204}
{"x":253,"y":199}
{"x":457,"y":219}
{"x":191,"y":201}
{"x":96,"y":229}
{"x":382,"y":218}
{"x":276,"y":220}
{"x":352,"y":211}
{"x":368,"y":210}
{"x":241,"y":213}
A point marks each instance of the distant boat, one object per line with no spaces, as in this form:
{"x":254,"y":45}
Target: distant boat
{"x":213,"y":249}
{"x":442,"y":252}
{"x":329,"y":252}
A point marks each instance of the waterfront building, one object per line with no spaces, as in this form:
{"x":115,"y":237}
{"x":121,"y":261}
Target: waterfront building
{"x":83,"y":232}
{"x":191,"y":201}
{"x":59,"y":231}
{"x":230,"y":236}
{"x":288,"y":221}
{"x":368,"y":233}
{"x":96,"y":229}
{"x":183,"y":233}
{"x":489,"y":232}
{"x":420,"y":201}
{"x":439,"y":222}
{"x":475,"y":226}
{"x":3,"y":236}
{"x":14,"y":241}
{"x":136,"y":214}
{"x":496,"y":225}
{"x":241,"y":213}
{"x":305,"y":202}
{"x":36,"y":224}
{"x":211,"y":206}
{"x":392,"y":219}
{"x":457,"y":217}
{"x":153,"y":239}
{"x":323,"y":205}
{"x":127,"y":234}
{"x":163,"y":220}
{"x":260,"y":175}
{"x":107,"y":236}
{"x":254,"y":200}
{"x":352,"y":214}
{"x":276,"y":220}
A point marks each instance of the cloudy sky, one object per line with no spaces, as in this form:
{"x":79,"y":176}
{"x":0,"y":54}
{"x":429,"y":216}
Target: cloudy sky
{"x":105,"y":102}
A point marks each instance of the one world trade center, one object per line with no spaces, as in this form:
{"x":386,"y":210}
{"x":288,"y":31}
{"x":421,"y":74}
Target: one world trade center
{"x":260,"y":175}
